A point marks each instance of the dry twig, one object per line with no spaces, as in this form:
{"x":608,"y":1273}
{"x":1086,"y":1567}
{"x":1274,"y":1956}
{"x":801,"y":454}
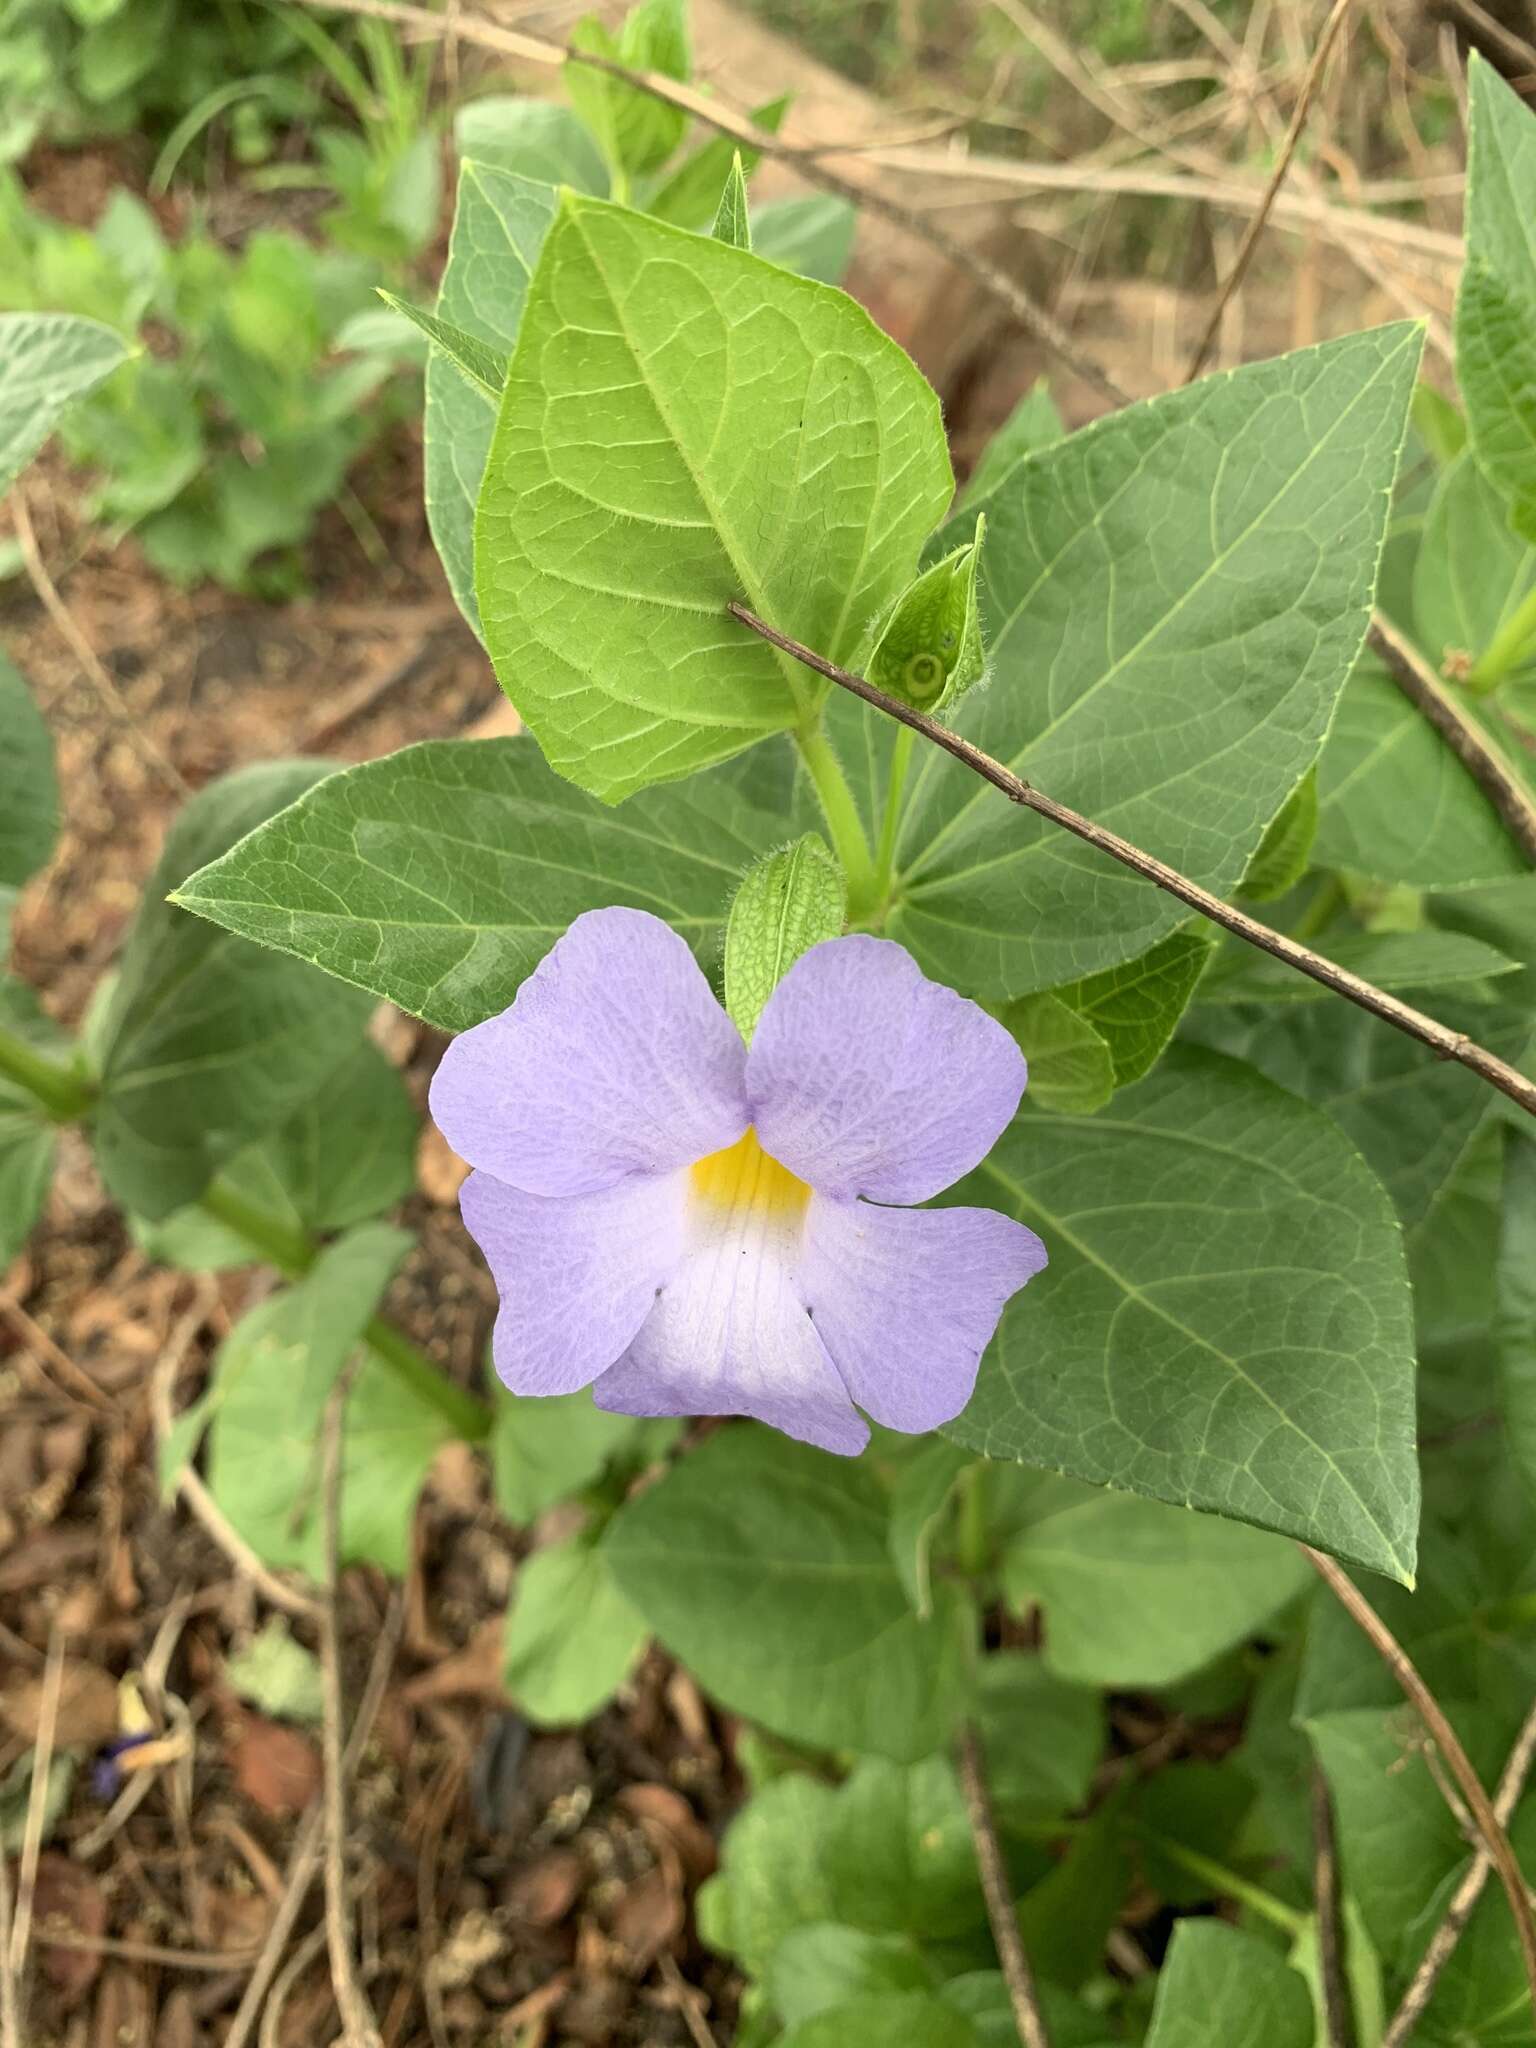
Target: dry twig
{"x":1004,"y":1919}
{"x":1490,"y":1828}
{"x":1442,"y":1944}
{"x":1441,"y":1040}
{"x":37,"y":1807}
{"x":10,"y":2001}
{"x":1338,"y":2016}
{"x":1277,"y":177}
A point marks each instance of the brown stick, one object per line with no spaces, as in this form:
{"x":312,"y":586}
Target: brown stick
{"x":1338,"y":2015}
{"x":1444,"y":1043}
{"x":539,"y":50}
{"x":1509,"y":796}
{"x":1288,"y":148}
{"x":1494,"y":1837}
{"x":1443,"y":1942}
{"x":358,"y":2026}
{"x":1001,"y":1911}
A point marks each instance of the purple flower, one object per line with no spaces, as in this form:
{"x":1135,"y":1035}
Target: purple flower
{"x":690,"y":1226}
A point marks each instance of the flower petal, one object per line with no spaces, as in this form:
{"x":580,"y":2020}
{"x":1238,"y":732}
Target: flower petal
{"x":866,"y":1078}
{"x":906,"y":1300}
{"x":730,"y":1336}
{"x":614,"y":1059}
{"x":577,"y":1276}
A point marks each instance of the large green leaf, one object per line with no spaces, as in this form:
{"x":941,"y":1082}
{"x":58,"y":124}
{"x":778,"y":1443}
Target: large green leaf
{"x":1225,"y":1321}
{"x":440,"y":876}
{"x":1496,"y":306}
{"x":1472,"y":570}
{"x":499,"y":225}
{"x":913,"y":2018}
{"x":1174,"y":597}
{"x":27,"y":1137}
{"x":1516,"y":1281}
{"x":685,"y":424}
{"x":1392,"y":960}
{"x":1135,"y":1008}
{"x":1220,"y":1988}
{"x":209,"y":1042}
{"x":272,"y":1379}
{"x":764,"y":1565}
{"x":1394,"y":803}
{"x":537,"y":139}
{"x":29,"y":791}
{"x":1136,"y":1593}
{"x":47,"y":361}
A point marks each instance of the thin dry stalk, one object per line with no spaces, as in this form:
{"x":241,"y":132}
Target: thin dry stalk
{"x":1442,"y":1945}
{"x":1512,"y":48}
{"x":1001,"y":1912}
{"x":1441,"y":1040}
{"x":37,"y":1805}
{"x":1338,"y":2015}
{"x":85,"y":654}
{"x":359,"y":2028}
{"x":1271,"y":192}
{"x":10,"y":2000}
{"x":1491,"y":1829}
{"x":73,"y":1380}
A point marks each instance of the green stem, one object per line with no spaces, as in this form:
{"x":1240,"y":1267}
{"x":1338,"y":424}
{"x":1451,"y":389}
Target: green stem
{"x":1515,"y":639}
{"x":846,"y":827}
{"x":1230,"y":1884}
{"x":56,"y":1088}
{"x":972,"y":1545}
{"x":890,"y":824}
{"x":294,"y":1252}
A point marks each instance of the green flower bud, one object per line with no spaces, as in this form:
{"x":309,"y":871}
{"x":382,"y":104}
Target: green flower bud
{"x":928,"y":649}
{"x":790,"y":901}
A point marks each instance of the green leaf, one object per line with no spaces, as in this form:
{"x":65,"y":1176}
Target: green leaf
{"x":1174,"y":597}
{"x":571,"y":1634}
{"x":635,"y":131}
{"x":1066,"y":1918}
{"x":1516,"y":1282}
{"x":983,"y":1996}
{"x":921,"y":1491}
{"x":790,"y":901}
{"x":440,"y":876}
{"x":544,"y":1450}
{"x":615,"y":646}
{"x":928,"y":651}
{"x":1392,"y":960}
{"x":1472,"y":571}
{"x":29,"y":790}
{"x":343,"y":1157}
{"x":1071,"y":1068}
{"x":1496,"y":305}
{"x":1033,"y":424}
{"x":1286,"y":848}
{"x":1135,"y":1008}
{"x":733,"y":222}
{"x":27,"y":1138}
{"x":1224,"y":1323}
{"x":1220,"y":1988}
{"x":689,"y":196}
{"x":16,"y":1797}
{"x":272,"y":1378}
{"x":821,"y":1966}
{"x":1394,"y":803}
{"x":887,"y":1852}
{"x":1043,"y":1739}
{"x":915,"y":2020}
{"x":279,"y":1675}
{"x":1135,"y":1593}
{"x":813,"y":236}
{"x":764,"y":1566}
{"x":484,"y":367}
{"x":47,"y":361}
{"x":534,"y":139}
{"x":209,"y":1042}
{"x":499,"y":225}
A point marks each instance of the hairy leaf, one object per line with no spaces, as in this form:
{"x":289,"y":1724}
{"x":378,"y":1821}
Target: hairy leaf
{"x":440,"y":876}
{"x":1219,"y":1984}
{"x":684,"y":424}
{"x":47,"y":361}
{"x":1224,"y":1323}
{"x":1496,"y":305}
{"x":29,"y":791}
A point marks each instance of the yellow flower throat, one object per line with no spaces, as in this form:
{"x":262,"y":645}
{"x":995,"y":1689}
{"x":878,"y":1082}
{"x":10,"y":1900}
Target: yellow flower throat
{"x":748,"y":1182}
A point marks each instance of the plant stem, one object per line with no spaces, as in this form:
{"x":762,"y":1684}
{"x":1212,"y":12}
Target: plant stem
{"x":1230,"y":1884}
{"x":1515,"y":639}
{"x":55,"y":1087}
{"x":294,"y":1252}
{"x":890,"y":824}
{"x":972,"y":1545}
{"x":843,"y":821}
